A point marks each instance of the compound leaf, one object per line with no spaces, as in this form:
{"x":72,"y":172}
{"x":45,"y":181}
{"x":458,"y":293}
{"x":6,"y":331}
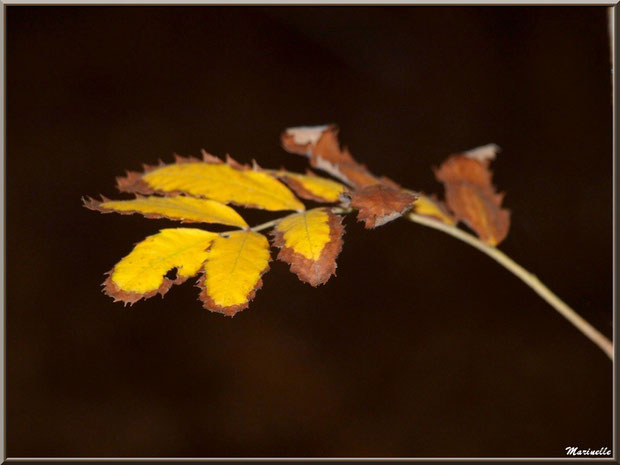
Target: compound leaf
{"x":186,"y":209}
{"x":213,"y":179}
{"x":310,"y":242}
{"x":141,"y":274}
{"x":233,"y":270}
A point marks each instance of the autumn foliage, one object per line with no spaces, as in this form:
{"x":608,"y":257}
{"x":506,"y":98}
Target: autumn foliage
{"x":230,"y":264}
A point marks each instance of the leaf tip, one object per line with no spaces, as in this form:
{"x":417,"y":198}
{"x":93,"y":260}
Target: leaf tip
{"x":483,"y":153}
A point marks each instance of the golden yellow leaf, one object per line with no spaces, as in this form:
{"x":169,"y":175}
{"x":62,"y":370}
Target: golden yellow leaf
{"x":312,"y":187}
{"x":233,"y":271}
{"x":429,"y":207}
{"x":141,"y":274}
{"x":225,"y":182}
{"x":186,"y":209}
{"x":310,"y":241}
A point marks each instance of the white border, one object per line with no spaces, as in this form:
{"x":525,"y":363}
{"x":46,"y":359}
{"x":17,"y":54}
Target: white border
{"x":312,"y":2}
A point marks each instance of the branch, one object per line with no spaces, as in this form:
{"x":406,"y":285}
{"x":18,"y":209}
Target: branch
{"x":528,"y":278}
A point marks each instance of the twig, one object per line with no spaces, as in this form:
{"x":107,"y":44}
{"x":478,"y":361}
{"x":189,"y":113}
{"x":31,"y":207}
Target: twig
{"x":528,"y":278}
{"x":272,"y":223}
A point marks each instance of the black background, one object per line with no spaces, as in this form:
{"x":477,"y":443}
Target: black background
{"x":421,"y":346}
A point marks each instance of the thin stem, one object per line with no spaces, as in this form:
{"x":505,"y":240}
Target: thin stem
{"x":272,"y":223}
{"x":528,"y":278}
{"x":267,"y":225}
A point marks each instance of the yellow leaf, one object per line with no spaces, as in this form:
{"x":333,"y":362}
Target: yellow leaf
{"x":428,"y":207}
{"x":214,"y":180}
{"x":306,"y":233}
{"x":310,"y":242}
{"x":233,"y":271}
{"x":141,"y":274}
{"x":312,"y":187}
{"x":187,"y":209}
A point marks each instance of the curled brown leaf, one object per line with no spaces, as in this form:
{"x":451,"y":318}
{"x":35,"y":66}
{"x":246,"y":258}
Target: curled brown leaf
{"x":472,"y":197}
{"x":320,"y":144}
{"x":378,"y":204}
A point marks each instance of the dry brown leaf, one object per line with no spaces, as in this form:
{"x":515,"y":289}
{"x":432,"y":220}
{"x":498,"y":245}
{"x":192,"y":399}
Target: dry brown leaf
{"x":320,"y":144}
{"x":379,"y":204}
{"x":471,"y":195}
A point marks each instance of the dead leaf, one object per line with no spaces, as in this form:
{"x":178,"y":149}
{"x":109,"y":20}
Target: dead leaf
{"x":379,"y":204}
{"x":320,"y":144}
{"x":471,"y":195}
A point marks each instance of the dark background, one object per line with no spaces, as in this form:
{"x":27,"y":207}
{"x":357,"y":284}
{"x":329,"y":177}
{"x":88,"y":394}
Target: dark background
{"x":421,"y":346}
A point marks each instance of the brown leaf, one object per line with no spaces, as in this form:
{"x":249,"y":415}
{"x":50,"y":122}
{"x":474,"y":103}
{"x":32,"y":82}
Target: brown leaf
{"x":320,"y":144}
{"x":472,"y":197}
{"x":379,"y":204}
{"x":310,"y":242}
